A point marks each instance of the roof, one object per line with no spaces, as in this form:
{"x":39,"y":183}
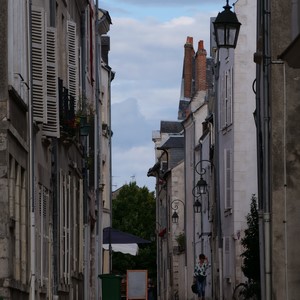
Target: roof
{"x":170,"y":127}
{"x":173,"y":142}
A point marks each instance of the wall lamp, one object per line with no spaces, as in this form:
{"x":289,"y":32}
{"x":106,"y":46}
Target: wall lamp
{"x":226,"y":28}
{"x":200,"y":188}
{"x":174,"y":206}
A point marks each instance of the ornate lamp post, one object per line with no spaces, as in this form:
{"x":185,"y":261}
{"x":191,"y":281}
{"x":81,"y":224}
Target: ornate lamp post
{"x":226,"y":27}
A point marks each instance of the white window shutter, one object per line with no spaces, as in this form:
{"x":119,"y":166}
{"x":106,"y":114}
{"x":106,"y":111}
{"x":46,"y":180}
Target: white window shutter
{"x":38,"y":65}
{"x":223,"y":101}
{"x":81,"y":226}
{"x":72,"y":61}
{"x":227,"y":253}
{"x":51,"y":128}
{"x":228,"y":178}
{"x":229,"y":97}
{"x":61,"y":223}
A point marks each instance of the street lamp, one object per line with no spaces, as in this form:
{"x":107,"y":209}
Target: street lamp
{"x":226,"y":28}
{"x":175,"y":217}
{"x":197,"y":207}
{"x":200,"y":188}
{"x":174,"y":206}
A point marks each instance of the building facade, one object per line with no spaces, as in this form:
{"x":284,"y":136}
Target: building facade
{"x":277,"y":62}
{"x":55,"y":93}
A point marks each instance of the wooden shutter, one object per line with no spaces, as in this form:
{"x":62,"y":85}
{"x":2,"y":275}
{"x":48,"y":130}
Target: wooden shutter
{"x":229,"y":97}
{"x":228,"y":178}
{"x":61,"y":222}
{"x":72,"y":61}
{"x":38,"y":65}
{"x":81,"y":226}
{"x":222,"y":98}
{"x":227,"y":253}
{"x":51,"y":128}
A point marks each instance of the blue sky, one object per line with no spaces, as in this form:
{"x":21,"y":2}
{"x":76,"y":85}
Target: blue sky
{"x":146,"y":53}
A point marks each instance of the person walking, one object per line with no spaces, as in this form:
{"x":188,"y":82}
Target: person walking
{"x":200,"y":275}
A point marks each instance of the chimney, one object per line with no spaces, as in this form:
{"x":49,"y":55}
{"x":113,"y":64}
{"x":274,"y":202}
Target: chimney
{"x":201,"y":67}
{"x":188,"y":67}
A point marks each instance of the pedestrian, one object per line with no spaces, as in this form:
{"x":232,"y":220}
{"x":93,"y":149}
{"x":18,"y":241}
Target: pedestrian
{"x":200,"y":275}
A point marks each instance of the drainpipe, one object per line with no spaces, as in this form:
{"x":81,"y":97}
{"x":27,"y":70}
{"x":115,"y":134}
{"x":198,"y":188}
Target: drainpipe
{"x":111,"y":78}
{"x":217,"y":180}
{"x":266,"y":150}
{"x":259,"y":147}
{"x":85,"y":165}
{"x":31,"y":168}
{"x":98,"y":251}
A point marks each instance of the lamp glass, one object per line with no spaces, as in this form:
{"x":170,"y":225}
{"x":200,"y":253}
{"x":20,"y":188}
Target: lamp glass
{"x":197,"y":206}
{"x":201,"y":186}
{"x":175,"y":217}
{"x":226,"y":28}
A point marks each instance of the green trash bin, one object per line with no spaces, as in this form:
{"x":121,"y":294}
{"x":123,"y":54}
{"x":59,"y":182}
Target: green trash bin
{"x":111,"y":286}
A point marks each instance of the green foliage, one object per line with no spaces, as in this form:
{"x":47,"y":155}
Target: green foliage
{"x":133,"y":211}
{"x":251,"y":262}
{"x":180,"y":239}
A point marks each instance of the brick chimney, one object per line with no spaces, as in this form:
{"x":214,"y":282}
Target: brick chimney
{"x":201,"y":84}
{"x":188,"y":67}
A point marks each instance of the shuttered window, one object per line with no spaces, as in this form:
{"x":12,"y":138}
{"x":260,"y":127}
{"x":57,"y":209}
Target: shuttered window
{"x":228,"y":178}
{"x":42,"y":213}
{"x":227,"y":255}
{"x":51,"y":128}
{"x":81,"y":227}
{"x":226,"y":98}
{"x":72,"y":61}
{"x":38,"y":62}
{"x":18,"y":45}
{"x":64,"y":228}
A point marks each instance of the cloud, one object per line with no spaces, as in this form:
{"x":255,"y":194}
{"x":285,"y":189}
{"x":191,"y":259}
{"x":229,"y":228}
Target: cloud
{"x":148,"y":58}
{"x":130,"y":128}
{"x":132,"y":165}
{"x":146,"y":52}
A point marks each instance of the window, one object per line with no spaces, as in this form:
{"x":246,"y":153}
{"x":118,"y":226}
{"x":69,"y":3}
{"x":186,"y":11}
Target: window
{"x":72,"y":61}
{"x":227,"y":255}
{"x":39,"y":79}
{"x":228,"y":178}
{"x":71,"y":226}
{"x":64,"y":227}
{"x":44,"y":74}
{"x":18,"y":213}
{"x":226,"y":99}
{"x":18,"y":47}
{"x":42,"y":213}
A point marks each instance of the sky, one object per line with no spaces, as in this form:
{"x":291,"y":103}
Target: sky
{"x":146,"y":53}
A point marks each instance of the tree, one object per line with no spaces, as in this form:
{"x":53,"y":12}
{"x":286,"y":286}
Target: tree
{"x":133,"y":211}
{"x":251,"y":262}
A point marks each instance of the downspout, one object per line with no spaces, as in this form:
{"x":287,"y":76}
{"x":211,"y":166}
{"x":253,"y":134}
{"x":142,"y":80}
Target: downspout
{"x":31,"y":168}
{"x":217,"y":181}
{"x":85,"y":165}
{"x":259,"y":148}
{"x":111,"y":78}
{"x":285,"y":184}
{"x":284,"y":179}
{"x":266,"y":135}
{"x":55,"y":180}
{"x":98,"y":251}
